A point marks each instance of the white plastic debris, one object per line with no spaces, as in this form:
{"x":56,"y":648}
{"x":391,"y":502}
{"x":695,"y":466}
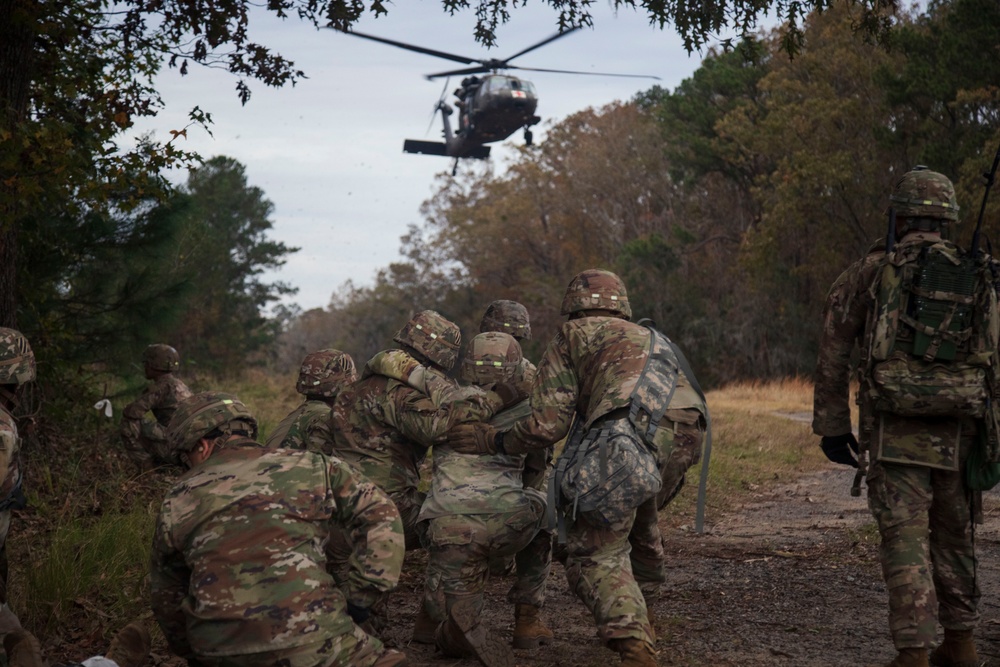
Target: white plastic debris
{"x":105,"y":405}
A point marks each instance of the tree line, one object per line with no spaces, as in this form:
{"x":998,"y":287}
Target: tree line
{"x":728,"y":205}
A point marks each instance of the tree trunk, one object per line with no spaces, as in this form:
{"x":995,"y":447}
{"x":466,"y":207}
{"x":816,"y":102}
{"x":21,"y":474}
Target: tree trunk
{"x":18,"y":21}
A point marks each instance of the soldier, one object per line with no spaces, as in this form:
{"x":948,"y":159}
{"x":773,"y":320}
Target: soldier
{"x":384,"y":423}
{"x":510,"y":317}
{"x":17,"y":367}
{"x":238,"y":574}
{"x":595,"y":371}
{"x":478,"y":506}
{"x":144,"y":439}
{"x":918,"y":442}
{"x":322,"y":376}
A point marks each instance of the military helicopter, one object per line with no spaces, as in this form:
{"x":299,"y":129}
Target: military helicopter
{"x":490,"y":107}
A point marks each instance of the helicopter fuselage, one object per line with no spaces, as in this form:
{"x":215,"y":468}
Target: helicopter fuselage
{"x":500,"y":105}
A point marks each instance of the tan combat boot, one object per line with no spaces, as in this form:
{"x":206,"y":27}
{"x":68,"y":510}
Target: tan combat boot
{"x":391,"y":658}
{"x":634,"y":652}
{"x":130,"y":647}
{"x":22,"y":650}
{"x":957,"y":650}
{"x":424,"y":627}
{"x":529,"y":630}
{"x":910,"y":657}
{"x":462,"y":635}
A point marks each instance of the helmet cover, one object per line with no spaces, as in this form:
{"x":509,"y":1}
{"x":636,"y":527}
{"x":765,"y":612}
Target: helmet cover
{"x":507,"y":317}
{"x":17,"y":361}
{"x":203,"y":413}
{"x":491,"y":357}
{"x":596,"y":289}
{"x":325,"y":373}
{"x":160,"y":357}
{"x":922,"y":193}
{"x":433,"y":336}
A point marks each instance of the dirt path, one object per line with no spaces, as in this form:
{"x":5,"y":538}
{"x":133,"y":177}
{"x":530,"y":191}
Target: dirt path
{"x":791,"y":580}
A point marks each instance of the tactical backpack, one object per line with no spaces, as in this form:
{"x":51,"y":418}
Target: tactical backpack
{"x":610,"y":469}
{"x":933,"y":335}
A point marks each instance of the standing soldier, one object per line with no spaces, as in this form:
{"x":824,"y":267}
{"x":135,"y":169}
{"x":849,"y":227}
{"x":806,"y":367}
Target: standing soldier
{"x":924,"y":314}
{"x":478,"y":506}
{"x":238,"y":575}
{"x":17,"y":367}
{"x":322,"y":377}
{"x":145,"y":440}
{"x":600,"y":371}
{"x":403,"y":404}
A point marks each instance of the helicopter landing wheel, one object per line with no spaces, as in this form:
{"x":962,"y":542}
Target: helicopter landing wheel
{"x":527,"y":137}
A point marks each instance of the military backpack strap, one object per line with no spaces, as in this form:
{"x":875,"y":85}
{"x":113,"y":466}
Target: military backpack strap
{"x":653,"y":397}
{"x":555,"y":516}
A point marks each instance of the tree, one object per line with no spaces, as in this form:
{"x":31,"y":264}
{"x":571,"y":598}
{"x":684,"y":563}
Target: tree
{"x":223,"y":249}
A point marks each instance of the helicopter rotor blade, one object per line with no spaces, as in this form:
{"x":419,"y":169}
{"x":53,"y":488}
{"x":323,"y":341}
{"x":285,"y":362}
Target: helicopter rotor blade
{"x":459,"y":72}
{"x":567,"y":71}
{"x":544,"y":42}
{"x":411,"y":47}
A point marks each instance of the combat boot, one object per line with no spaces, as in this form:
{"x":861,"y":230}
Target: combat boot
{"x":529,"y":630}
{"x":130,"y":647}
{"x":910,"y":657}
{"x":462,"y":635}
{"x":391,"y":658}
{"x":634,"y":652}
{"x":22,"y":650}
{"x":424,"y":627}
{"x":957,"y":650}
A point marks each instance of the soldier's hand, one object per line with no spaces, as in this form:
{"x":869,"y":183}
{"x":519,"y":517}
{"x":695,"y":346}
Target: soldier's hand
{"x":842,"y":449}
{"x":473,"y":438}
{"x":509,"y":394}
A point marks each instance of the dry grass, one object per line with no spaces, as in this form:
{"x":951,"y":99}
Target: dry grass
{"x":761,"y":437}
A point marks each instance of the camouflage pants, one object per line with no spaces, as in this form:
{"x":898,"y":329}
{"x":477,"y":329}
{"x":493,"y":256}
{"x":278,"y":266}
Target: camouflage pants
{"x":458,"y":555}
{"x":928,"y":561}
{"x":145,"y":442}
{"x":351,"y":649}
{"x":645,"y":539}
{"x":599,"y":572}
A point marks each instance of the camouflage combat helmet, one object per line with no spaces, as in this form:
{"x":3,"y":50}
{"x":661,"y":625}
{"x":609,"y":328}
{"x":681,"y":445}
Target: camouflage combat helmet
{"x":325,"y":373}
{"x":492,"y":357}
{"x":17,"y":361}
{"x":203,"y":413}
{"x":922,"y":193}
{"x":596,"y":289}
{"x":433,"y":336}
{"x":508,"y":317}
{"x":160,"y":357}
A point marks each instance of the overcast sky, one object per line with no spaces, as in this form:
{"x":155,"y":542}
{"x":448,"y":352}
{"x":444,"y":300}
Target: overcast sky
{"x":328,"y":152}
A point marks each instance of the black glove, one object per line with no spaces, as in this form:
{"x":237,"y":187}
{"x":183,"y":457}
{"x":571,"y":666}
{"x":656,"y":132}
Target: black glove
{"x":358,"y":614}
{"x":473,"y":438}
{"x":509,"y":394}
{"x":842,"y":449}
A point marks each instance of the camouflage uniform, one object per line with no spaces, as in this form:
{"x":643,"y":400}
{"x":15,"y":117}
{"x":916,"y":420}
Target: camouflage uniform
{"x":922,"y":507}
{"x":17,"y":367}
{"x":480,"y":506}
{"x":384,"y":423}
{"x":238,"y":567}
{"x":305,"y":427}
{"x":322,"y":376}
{"x":145,"y":440}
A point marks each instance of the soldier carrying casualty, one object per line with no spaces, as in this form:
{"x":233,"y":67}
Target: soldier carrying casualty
{"x":238,"y":574}
{"x":321,"y":378}
{"x":478,"y":506}
{"x":145,"y":440}
{"x":923,"y":313}
{"x":609,"y":381}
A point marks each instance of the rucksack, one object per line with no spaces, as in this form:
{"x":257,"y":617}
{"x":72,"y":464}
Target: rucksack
{"x":933,"y":334}
{"x":607,"y":471}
